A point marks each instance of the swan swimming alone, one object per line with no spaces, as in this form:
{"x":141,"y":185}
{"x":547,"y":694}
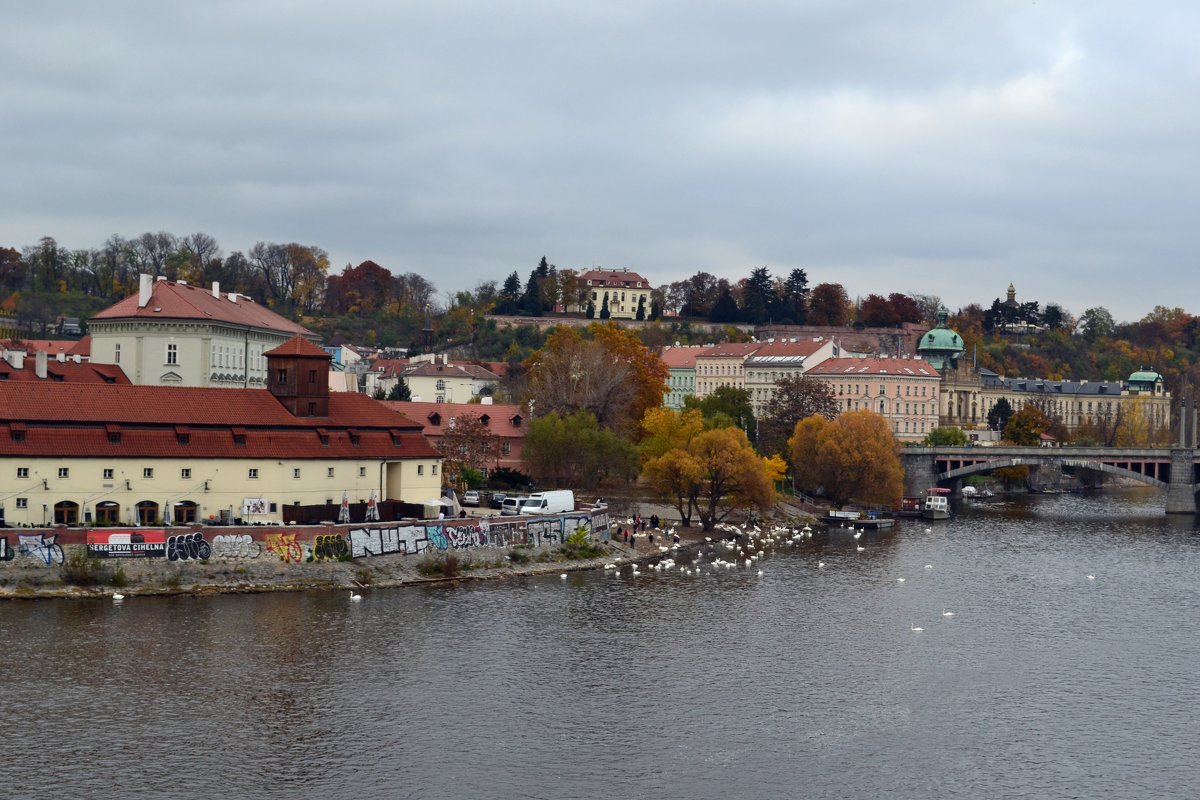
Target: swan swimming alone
{"x":914,"y":628}
{"x":355,"y":597}
{"x":946,"y":613}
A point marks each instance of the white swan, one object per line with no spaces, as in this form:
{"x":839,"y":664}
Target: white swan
{"x":820,"y":563}
{"x":860,"y":548}
{"x":563,"y":576}
{"x":900,"y":580}
{"x":946,"y":613}
{"x":117,"y":597}
{"x":760,"y":573}
{"x":857,"y":534}
{"x":355,"y":597}
{"x":1091,"y":577}
{"x":914,"y":628}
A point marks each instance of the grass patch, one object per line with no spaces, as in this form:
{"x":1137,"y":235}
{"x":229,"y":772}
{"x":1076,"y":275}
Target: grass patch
{"x":173,"y":581}
{"x":118,"y":578}
{"x":437,"y":565}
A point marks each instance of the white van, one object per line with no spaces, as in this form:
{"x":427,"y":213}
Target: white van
{"x":555,"y":502}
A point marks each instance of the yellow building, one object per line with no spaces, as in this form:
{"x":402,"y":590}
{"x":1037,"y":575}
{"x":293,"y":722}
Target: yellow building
{"x":119,"y":454}
{"x":624,"y":290}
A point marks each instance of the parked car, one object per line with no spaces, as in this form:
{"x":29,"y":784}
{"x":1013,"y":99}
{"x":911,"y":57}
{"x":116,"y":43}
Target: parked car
{"x":498,"y":499}
{"x":512,"y":506}
{"x":470,"y":498}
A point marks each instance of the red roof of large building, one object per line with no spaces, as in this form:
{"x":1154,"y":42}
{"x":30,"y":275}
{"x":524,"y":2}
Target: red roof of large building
{"x":52,"y":347}
{"x":65,"y":371}
{"x":681,"y":357}
{"x":730,"y":350}
{"x":170,"y":421}
{"x":174,"y":300}
{"x":901,"y":367}
{"x":619,"y":278}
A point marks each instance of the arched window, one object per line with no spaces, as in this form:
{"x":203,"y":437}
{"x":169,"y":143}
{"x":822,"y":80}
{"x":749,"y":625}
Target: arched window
{"x":147,"y":512}
{"x":66,"y":513}
{"x":184,"y":512}
{"x":108,"y":513}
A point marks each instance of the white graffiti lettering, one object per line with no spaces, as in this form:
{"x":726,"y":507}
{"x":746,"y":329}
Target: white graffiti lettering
{"x":235,"y":545}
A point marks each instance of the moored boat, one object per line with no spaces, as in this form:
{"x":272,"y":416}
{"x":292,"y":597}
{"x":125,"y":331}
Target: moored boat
{"x":937,"y":503}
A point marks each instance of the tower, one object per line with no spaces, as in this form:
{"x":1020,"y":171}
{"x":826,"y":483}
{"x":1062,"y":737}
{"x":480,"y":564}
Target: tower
{"x":298,"y":376}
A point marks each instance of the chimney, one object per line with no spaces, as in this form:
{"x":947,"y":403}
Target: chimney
{"x":145,"y":289}
{"x":16,"y":359}
{"x":60,"y":357}
{"x":233,"y":297}
{"x":39,"y":365}
{"x":78,"y":358}
{"x":217,"y":290}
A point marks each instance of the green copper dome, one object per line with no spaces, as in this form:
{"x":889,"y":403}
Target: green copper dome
{"x":941,"y":346}
{"x":1145,"y":376}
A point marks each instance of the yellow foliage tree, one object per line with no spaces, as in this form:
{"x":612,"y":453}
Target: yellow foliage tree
{"x":714,"y":474}
{"x":854,"y":457}
{"x":665,"y":429}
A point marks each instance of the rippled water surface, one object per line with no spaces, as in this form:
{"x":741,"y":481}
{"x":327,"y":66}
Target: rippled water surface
{"x":804,"y":682}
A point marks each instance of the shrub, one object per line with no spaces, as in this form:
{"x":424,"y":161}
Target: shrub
{"x":579,"y":546}
{"x":119,"y":578}
{"x":79,"y":570}
{"x":519,"y":555}
{"x":364,"y":576}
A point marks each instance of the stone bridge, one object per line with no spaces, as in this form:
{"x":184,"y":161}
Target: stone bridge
{"x":1173,"y":469}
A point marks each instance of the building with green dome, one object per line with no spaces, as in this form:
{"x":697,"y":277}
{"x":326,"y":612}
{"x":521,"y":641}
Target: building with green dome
{"x":941,"y":346}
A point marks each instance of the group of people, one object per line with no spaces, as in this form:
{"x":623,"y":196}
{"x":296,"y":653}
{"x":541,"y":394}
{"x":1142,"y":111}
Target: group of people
{"x":629,"y":536}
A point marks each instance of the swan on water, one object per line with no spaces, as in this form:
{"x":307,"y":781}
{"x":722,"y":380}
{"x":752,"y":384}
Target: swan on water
{"x":1091,"y":577}
{"x":355,"y":597}
{"x":820,"y":563}
{"x":914,"y":628}
{"x":946,"y":613}
{"x":860,"y":548}
{"x":117,"y":597}
{"x":900,"y":580}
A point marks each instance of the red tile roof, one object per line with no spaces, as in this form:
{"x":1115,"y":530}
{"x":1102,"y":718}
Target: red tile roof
{"x":619,"y":278}
{"x":299,"y":346}
{"x":71,"y":421}
{"x":67,"y":371}
{"x":52,"y":347}
{"x":681,"y":357}
{"x":172,"y":300}
{"x":901,"y":367}
{"x":500,"y":416}
{"x":730,"y":350}
{"x":428,"y":370}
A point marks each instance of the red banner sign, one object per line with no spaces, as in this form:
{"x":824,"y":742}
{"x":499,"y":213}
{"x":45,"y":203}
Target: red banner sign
{"x":127,"y":543}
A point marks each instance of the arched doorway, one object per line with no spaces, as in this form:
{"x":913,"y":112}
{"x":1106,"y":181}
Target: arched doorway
{"x":184,"y":512}
{"x":66,"y":512}
{"x":108,"y":513}
{"x":147,"y":512}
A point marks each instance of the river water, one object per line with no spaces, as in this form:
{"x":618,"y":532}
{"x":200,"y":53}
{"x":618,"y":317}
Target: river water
{"x":805,"y":681}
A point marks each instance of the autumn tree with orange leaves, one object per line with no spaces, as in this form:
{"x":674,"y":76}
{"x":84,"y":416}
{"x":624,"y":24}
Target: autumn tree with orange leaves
{"x":853,"y":457}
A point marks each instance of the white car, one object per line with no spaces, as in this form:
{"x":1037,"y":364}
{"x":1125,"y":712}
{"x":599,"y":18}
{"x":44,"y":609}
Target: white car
{"x":512,"y":506}
{"x":470,"y":498}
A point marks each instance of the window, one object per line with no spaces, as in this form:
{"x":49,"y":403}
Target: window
{"x":252,"y":473}
{"x":434,"y":470}
{"x":148,"y":472}
{"x":420,"y":469}
{"x":22,"y":472}
{"x":64,"y":472}
{"x":108,"y":474}
{"x":312,"y":376}
{"x":362,"y":472}
{"x":296,"y":473}
{"x":281,"y":376}
{"x":329,"y":473}
{"x":185,"y":473}
{"x":22,"y":502}
{"x":441,"y":386}
{"x":172,"y":354}
{"x":505,"y":448}
{"x":116,"y":354}
{"x":441,"y":398}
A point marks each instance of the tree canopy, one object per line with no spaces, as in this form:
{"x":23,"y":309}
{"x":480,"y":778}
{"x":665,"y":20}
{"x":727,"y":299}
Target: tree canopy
{"x":795,"y":397}
{"x":853,"y":457}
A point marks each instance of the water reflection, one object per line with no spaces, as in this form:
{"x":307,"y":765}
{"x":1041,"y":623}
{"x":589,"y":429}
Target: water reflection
{"x":806,"y":681}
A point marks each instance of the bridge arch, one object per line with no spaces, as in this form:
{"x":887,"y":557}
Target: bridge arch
{"x":1000,"y":463}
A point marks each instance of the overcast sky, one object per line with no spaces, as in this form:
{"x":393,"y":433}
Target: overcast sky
{"x":923,"y":146}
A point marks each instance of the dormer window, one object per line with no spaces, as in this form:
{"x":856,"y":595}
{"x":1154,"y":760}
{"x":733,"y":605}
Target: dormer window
{"x":436,"y":419}
{"x":484,"y":418}
{"x":516,"y":420}
{"x":17,"y":431}
{"x":239,"y":436}
{"x":114,"y":433}
{"x":355,"y":437}
{"x":323,"y":435}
